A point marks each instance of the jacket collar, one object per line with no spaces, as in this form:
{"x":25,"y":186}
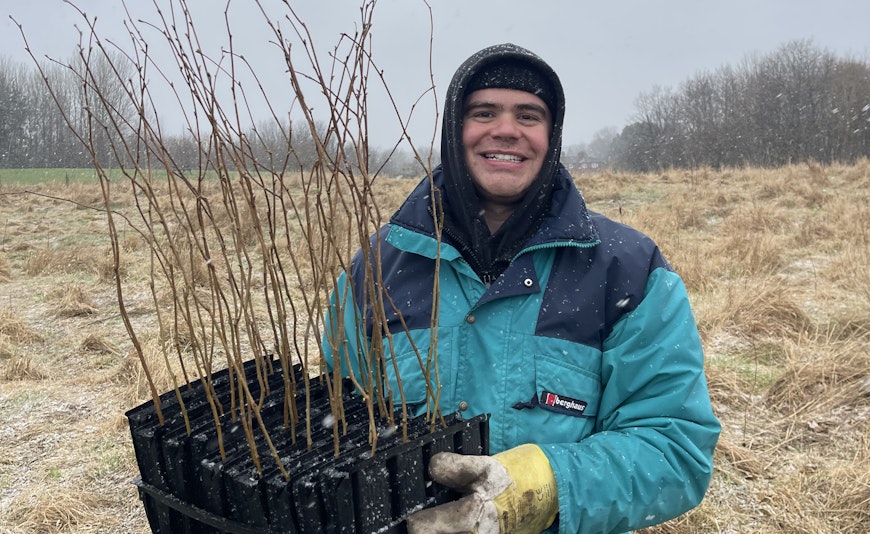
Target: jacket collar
{"x":568,"y":221}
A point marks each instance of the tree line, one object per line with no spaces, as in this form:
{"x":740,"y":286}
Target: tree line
{"x":798,"y":103}
{"x":47,"y":112}
{"x":41,"y":127}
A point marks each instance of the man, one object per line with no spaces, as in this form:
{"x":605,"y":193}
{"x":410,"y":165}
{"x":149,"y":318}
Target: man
{"x":570,"y":329}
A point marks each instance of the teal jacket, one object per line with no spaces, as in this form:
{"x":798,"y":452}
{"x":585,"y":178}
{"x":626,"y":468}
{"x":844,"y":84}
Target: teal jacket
{"x":586,"y":345}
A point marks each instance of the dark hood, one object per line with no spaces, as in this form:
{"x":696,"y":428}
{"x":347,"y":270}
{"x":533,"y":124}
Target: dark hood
{"x":464,"y":224}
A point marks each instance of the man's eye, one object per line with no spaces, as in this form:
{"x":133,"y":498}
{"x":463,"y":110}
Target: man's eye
{"x":479,"y":115}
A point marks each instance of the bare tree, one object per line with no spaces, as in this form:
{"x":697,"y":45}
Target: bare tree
{"x":13,"y":114}
{"x":600,"y":147}
{"x":100,"y":107}
{"x":846,"y":112}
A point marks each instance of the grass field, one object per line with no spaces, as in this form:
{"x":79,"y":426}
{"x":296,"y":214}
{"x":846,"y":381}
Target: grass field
{"x":19,"y":177}
{"x":12,"y":180}
{"x":777,"y":262}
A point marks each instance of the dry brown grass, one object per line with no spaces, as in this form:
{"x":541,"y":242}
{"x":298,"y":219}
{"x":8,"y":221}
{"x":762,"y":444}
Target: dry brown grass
{"x":776,"y":262}
{"x":129,"y":373}
{"x":72,"y":300}
{"x":15,"y":329}
{"x":64,"y":509}
{"x":23,"y":368}
{"x":5,"y":270}
{"x":97,"y":344}
{"x":7,"y":347}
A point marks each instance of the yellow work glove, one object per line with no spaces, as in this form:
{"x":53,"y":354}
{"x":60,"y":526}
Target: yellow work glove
{"x":511,"y":492}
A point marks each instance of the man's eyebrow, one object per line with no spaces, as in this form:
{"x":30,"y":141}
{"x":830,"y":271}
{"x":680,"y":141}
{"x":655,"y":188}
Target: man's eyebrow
{"x":477,"y":104}
{"x":543,"y":110}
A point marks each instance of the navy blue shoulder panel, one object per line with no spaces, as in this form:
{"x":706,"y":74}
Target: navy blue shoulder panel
{"x":408,"y":280}
{"x":589,"y":289}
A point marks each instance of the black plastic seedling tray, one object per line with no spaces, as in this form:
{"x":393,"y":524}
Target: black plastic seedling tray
{"x":187,"y":487}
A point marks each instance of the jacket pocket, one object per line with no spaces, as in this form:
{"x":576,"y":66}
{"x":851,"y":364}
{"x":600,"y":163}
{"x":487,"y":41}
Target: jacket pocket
{"x":566,"y":389}
{"x":413,"y":384}
{"x":564,"y":406}
{"x":411,"y":370}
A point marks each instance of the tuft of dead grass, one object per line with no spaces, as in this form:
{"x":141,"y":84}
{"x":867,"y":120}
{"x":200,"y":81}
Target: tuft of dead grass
{"x":97,"y":344}
{"x":754,"y":309}
{"x":72,"y":300}
{"x":839,"y":497}
{"x":845,"y":494}
{"x":742,"y":459}
{"x":23,"y":368}
{"x":15,"y":329}
{"x":823,"y":372}
{"x":64,"y":509}
{"x":74,"y":259}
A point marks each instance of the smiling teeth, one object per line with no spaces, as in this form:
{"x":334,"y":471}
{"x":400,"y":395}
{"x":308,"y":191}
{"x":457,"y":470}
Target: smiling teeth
{"x":503,"y":157}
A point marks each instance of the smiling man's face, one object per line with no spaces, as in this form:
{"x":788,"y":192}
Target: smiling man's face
{"x":506,"y":136}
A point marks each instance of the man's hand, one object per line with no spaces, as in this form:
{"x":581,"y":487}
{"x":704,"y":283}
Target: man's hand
{"x":511,"y":492}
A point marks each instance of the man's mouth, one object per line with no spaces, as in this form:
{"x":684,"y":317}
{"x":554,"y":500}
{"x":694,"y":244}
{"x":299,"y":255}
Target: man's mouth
{"x":503,"y":157}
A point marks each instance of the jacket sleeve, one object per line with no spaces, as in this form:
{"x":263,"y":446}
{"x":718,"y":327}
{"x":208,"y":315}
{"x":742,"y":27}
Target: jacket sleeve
{"x":650,"y":458}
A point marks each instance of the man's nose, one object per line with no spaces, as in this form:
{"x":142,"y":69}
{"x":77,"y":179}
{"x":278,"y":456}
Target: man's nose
{"x":505,"y":126}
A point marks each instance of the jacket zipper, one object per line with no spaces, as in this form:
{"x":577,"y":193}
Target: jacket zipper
{"x":556,"y":244}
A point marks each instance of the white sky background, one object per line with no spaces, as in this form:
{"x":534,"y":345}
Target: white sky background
{"x":605,"y":52}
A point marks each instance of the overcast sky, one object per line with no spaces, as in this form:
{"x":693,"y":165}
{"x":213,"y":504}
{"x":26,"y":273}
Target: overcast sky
{"x":606,"y":52}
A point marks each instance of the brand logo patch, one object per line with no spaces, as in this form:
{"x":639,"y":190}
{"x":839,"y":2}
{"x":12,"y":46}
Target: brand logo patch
{"x":574,"y":406}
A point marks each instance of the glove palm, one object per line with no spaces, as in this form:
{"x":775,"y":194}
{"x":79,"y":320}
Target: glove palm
{"x":511,"y":492}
